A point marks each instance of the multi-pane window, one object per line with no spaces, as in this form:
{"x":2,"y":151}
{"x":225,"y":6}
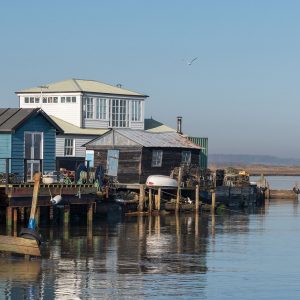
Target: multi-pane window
{"x":135,"y":110}
{"x":46,"y":100}
{"x":68,"y":99}
{"x":31,"y":100}
{"x":33,"y":145}
{"x":157,"y":158}
{"x":101,"y":108}
{"x":88,"y":108}
{"x":119,"y":117}
{"x":69,"y":147}
{"x":186,"y":157}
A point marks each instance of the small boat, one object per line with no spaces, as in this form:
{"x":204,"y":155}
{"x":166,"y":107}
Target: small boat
{"x":161,"y":181}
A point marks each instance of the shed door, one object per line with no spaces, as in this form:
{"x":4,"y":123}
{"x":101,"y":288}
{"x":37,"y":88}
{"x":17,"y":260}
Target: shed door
{"x":112,"y":162}
{"x":33,"y":153}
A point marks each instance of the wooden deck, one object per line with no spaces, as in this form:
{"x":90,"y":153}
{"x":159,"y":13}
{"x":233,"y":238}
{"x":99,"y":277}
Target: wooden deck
{"x":20,"y":195}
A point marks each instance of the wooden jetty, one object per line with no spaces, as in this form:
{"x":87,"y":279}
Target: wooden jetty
{"x":15,"y":199}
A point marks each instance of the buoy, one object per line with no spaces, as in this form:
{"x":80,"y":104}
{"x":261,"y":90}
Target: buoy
{"x":55,"y":200}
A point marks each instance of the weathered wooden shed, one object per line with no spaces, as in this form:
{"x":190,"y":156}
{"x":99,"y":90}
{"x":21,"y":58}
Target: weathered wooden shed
{"x":27,"y":142}
{"x":139,"y":153}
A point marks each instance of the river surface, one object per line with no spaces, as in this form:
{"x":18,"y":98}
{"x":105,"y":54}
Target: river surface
{"x":235,"y":255}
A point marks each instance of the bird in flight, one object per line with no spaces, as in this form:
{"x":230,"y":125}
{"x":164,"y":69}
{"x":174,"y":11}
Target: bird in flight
{"x":191,"y":61}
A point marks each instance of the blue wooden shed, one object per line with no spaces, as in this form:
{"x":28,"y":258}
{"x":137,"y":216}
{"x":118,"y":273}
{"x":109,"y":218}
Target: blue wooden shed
{"x":27,"y":142}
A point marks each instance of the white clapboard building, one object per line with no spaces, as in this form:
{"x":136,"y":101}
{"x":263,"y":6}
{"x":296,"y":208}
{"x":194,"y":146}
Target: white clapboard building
{"x":84,"y":109}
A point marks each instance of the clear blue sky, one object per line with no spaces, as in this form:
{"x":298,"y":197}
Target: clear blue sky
{"x":242,"y":93}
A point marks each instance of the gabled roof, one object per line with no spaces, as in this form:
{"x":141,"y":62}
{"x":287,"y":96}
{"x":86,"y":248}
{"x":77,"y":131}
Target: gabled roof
{"x":12,"y":118}
{"x":81,"y":85}
{"x":152,"y":125}
{"x":143,"y":138}
{"x":69,"y":128}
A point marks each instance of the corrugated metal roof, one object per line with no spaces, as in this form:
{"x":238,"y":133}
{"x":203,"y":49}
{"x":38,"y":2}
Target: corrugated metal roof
{"x":81,"y":85}
{"x":12,"y":118}
{"x":155,"y":139}
{"x":69,"y":128}
{"x":152,"y":125}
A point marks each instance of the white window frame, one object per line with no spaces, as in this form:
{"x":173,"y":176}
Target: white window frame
{"x":32,"y":133}
{"x":101,"y":109}
{"x":68,"y":99}
{"x":69,"y":147}
{"x":136,"y":110}
{"x":88,"y":103}
{"x":157,"y":156}
{"x":118,"y":113}
{"x":186,"y":157}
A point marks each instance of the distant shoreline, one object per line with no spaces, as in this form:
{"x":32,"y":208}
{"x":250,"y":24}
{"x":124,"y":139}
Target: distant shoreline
{"x":257,"y":170}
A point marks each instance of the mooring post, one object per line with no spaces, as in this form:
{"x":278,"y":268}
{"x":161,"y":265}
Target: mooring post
{"x":213,"y":200}
{"x":37,"y":216}
{"x":66,"y":215}
{"x":178,"y":190}
{"x":90,"y":210}
{"x":197,"y":199}
{"x":141,"y":198}
{"x":32,"y":223}
{"x":51,"y":213}
{"x":9,"y":215}
{"x":15,"y":220}
{"x":150,"y":201}
{"x":158,"y":198}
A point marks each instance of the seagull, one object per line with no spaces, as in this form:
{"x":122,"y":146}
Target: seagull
{"x":190,"y":62}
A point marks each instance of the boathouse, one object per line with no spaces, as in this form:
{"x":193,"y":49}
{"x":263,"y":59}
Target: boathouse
{"x":133,"y":155}
{"x":27,"y":142}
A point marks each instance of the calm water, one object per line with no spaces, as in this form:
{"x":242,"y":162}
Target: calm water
{"x":280,"y":182}
{"x":231,"y":256}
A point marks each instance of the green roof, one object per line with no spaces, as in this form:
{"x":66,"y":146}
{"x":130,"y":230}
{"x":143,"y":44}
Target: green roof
{"x":81,"y":85}
{"x":69,"y":128}
{"x":152,"y":125}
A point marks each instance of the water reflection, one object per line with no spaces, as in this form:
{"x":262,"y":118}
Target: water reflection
{"x":86,"y":262}
{"x":142,"y":257}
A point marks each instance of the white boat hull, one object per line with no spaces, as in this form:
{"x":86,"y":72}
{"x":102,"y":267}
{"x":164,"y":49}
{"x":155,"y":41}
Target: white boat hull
{"x":161,"y":181}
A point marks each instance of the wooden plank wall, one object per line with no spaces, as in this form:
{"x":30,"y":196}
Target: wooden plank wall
{"x":171,"y":159}
{"x":129,"y":163}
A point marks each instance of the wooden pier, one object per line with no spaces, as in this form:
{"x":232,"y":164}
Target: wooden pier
{"x":15,"y":199}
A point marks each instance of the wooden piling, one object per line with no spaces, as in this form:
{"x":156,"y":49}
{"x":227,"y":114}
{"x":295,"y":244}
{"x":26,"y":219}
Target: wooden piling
{"x":141,"y":198}
{"x":9,"y":212}
{"x":36,"y":187}
{"x":51,"y":213}
{"x":15,"y":217}
{"x":213,"y":200}
{"x":178,"y":190}
{"x":158,"y":198}
{"x":150,"y":201}
{"x":197,"y":199}
{"x":66,"y":215}
{"x":90,"y":210}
